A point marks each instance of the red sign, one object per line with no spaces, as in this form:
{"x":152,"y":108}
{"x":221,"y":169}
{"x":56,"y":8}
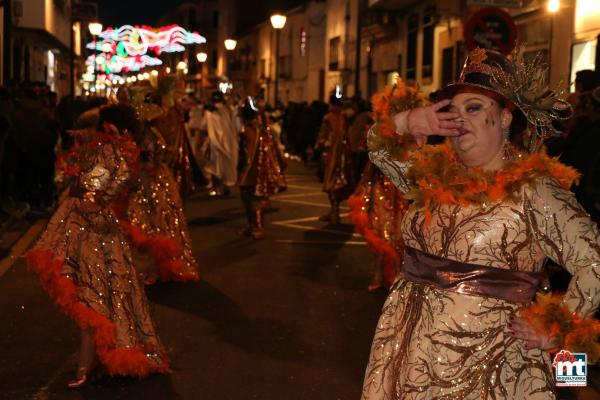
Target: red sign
{"x":491,"y":28}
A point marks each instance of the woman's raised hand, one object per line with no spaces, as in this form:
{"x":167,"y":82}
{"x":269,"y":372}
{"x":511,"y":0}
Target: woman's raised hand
{"x":426,"y":121}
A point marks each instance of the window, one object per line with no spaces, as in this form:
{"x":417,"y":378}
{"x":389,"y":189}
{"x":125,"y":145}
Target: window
{"x":447,"y":66}
{"x":583,"y":56}
{"x":429,"y":20}
{"x":334,"y":49}
{"x":411,"y":46}
{"x":285,"y":67}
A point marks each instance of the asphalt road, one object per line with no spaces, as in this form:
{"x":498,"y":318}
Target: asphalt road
{"x":288,"y":317}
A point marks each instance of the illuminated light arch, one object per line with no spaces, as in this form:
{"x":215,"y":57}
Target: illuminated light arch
{"x":138,"y":41}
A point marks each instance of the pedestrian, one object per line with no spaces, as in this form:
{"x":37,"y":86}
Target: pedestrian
{"x":338,"y":177}
{"x":85,"y":264}
{"x":261,"y":167}
{"x":223,"y":130}
{"x":485,"y":214}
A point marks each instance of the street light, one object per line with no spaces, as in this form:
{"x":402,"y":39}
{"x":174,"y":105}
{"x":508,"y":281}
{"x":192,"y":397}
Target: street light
{"x":95,"y":29}
{"x":278,"y":22}
{"x":181,"y":65}
{"x":230,"y":44}
{"x":202,"y":57}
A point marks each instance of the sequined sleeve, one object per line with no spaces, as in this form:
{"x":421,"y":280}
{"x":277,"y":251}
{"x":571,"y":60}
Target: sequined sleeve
{"x":107,"y":176}
{"x":569,"y":237}
{"x":394,"y":169}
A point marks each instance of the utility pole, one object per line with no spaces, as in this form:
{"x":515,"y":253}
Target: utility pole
{"x":7,"y":48}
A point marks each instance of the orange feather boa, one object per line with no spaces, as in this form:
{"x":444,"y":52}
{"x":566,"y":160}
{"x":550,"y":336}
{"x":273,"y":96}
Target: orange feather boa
{"x":123,"y":361}
{"x":572,"y":332}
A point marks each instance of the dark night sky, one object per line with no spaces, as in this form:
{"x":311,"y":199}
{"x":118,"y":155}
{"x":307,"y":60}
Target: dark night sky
{"x":119,"y":12}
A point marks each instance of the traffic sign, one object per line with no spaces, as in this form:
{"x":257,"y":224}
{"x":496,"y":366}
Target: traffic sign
{"x":491,"y":28}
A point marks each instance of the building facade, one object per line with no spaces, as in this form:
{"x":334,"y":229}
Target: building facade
{"x":41,"y":44}
{"x":300,"y":71}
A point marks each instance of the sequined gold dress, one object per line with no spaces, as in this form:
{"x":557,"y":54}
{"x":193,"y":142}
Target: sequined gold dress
{"x":84,"y":263}
{"x":339,"y":180}
{"x":172,"y":128}
{"x":432,"y":343}
{"x":376,"y":210}
{"x":155,"y":212}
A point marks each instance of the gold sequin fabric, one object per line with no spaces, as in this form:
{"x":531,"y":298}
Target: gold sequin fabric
{"x":339,"y":176}
{"x":97,"y":259}
{"x":437,"y":344}
{"x":177,"y":156}
{"x":264,"y":164}
{"x":156,"y":207}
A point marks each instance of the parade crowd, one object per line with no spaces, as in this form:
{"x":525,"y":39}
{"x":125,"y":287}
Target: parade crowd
{"x":128,"y":163}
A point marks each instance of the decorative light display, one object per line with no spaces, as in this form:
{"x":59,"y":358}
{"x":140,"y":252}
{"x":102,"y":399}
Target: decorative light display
{"x":130,"y":49}
{"x":116,"y":64}
{"x":138,"y":41}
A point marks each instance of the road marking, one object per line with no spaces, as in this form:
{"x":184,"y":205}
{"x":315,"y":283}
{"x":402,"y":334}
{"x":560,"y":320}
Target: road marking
{"x":285,"y":196}
{"x":22,"y":244}
{"x":294,"y":223}
{"x":327,"y":242}
{"x":313,"y":187}
{"x":309,"y":203}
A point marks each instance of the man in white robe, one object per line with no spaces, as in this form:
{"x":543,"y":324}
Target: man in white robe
{"x":223,"y":128}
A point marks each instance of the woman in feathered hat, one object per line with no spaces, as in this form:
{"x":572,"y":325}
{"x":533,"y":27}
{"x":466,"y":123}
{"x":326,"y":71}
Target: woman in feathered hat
{"x":485,"y":214}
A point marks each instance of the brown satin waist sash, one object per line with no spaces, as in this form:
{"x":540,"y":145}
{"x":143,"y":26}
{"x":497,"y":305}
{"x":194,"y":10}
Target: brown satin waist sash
{"x":479,"y":280}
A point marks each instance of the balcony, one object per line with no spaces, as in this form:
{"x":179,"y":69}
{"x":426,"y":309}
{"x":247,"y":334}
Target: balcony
{"x":391,"y":4}
{"x":379,"y":24}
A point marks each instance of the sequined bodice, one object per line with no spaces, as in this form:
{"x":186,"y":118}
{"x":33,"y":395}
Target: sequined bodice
{"x":497,"y":235}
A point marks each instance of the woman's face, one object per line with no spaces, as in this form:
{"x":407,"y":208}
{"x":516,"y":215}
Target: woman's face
{"x":482,"y":134}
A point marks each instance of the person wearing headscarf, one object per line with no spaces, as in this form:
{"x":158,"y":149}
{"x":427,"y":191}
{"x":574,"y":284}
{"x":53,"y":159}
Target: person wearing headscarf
{"x":261,"y":167}
{"x":85,"y":263}
{"x":486,"y":211}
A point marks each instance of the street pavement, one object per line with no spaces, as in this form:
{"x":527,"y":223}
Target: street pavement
{"x":288,"y":317}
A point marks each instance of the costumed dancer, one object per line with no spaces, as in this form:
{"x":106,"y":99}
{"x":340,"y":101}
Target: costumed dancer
{"x":338,"y":178}
{"x":485,"y":214}
{"x":377,"y":206}
{"x":261,"y":167}
{"x":222,"y":127}
{"x":154,"y":219}
{"x":85,"y":265}
{"x":376,"y":210}
{"x":171,"y":126}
